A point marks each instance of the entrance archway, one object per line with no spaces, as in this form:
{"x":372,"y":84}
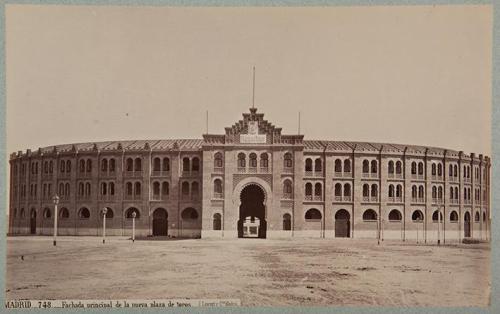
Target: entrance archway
{"x":33,"y":221}
{"x":252,"y":220}
{"x":160,"y":222}
{"x":467,"y":225}
{"x":342,"y":224}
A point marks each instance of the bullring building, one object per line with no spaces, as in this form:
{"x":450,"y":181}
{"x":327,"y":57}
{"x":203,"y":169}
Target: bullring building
{"x":252,"y":181}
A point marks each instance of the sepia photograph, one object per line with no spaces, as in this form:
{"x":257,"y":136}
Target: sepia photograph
{"x":166,"y":157}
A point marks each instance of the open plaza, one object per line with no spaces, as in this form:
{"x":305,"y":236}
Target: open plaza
{"x":281,"y":272}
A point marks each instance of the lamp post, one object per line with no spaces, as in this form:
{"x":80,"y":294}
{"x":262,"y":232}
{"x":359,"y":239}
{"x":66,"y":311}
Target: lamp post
{"x":104,"y":211}
{"x":133,"y":225}
{"x":55,"y":199}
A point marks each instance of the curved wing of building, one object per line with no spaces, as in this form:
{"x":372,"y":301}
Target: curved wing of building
{"x":252,"y":181}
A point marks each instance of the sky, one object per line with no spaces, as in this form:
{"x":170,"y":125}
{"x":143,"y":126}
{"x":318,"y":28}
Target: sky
{"x":402,"y":74}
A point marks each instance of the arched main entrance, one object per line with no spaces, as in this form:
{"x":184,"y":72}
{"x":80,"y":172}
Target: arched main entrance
{"x":33,"y":221}
{"x":467,"y":225}
{"x":160,"y":222}
{"x":252,"y":221}
{"x":342,"y":224}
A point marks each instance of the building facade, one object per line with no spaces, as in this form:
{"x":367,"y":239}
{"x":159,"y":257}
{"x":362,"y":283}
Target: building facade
{"x":252,"y":181}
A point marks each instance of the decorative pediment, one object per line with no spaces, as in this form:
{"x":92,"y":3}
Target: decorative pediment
{"x":253,"y":123}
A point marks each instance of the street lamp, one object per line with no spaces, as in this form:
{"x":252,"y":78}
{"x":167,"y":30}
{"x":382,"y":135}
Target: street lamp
{"x":133,"y":225}
{"x":104,"y":211}
{"x":55,"y":199}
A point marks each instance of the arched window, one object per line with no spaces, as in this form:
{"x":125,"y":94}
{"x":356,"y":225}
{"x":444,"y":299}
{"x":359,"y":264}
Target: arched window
{"x":185,"y":189}
{"x":317,"y":190}
{"x":195,"y":164}
{"x":421,"y":168}
{"x":338,"y":189}
{"x":395,"y":215}
{"x":68,"y":166}
{"x":433,"y":169}
{"x":457,"y":195}
{"x":129,"y":188}
{"x":313,"y":214}
{"x":318,"y":165}
{"x":369,"y":214}
{"x":287,"y":189}
{"x":347,"y":189}
{"x":440,"y":192}
{"x":391,"y":167}
{"x":287,"y":160}
{"x":366,"y":190}
{"x":109,"y":213}
{"x":399,"y":169}
{"x":218,"y":160}
{"x":189,"y":214}
{"x":374,"y":190}
{"x":399,"y":190}
{"x":484,"y":217}
{"x":309,"y":164}
{"x":435,"y":216}
{"x":338,"y":165}
{"x":89,"y":165}
{"x":308,"y":189}
{"x":287,"y":222}
{"x":22,"y":214}
{"x":164,"y":188}
{"x":104,"y":188}
{"x":185,"y":164}
{"x":421,"y":192}
{"x":453,"y":216}
{"x":156,"y":164}
{"x":137,"y":189}
{"x":47,"y":213}
{"x":82,"y":165}
{"x":414,"y":193}
{"x":217,"y":224}
{"x":62,"y":166}
{"x":111,"y":188}
{"x":264,"y":160}
{"x":130,"y":164}
{"x":112,"y":165}
{"x":156,"y":188}
{"x":391,"y":190}
{"x":440,"y":169}
{"x":413,"y":168}
{"x":84,"y":213}
{"x":64,"y":213}
{"x":374,"y":166}
{"x":252,"y":160}
{"x":218,"y":188}
{"x":128,"y":213}
{"x":476,"y":217}
{"x":366,"y":166}
{"x":347,"y":165}
{"x":241,"y":160}
{"x":104,"y":165}
{"x":46,"y":167}
{"x":455,"y":171}
{"x":165,"y":166}
{"x":138,"y":164}
{"x":87,"y":189}
{"x":450,"y":170}
{"x":195,"y":189}
{"x":417,"y":216}
{"x":434,"y":192}
{"x":61,"y":188}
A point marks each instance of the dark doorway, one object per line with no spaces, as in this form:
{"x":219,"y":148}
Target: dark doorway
{"x":252,"y":221}
{"x":160,"y":222}
{"x":342,"y":224}
{"x":467,"y":225}
{"x":33,"y":221}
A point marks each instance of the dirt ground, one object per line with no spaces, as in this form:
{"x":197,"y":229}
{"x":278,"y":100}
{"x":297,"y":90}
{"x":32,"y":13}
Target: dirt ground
{"x":298,"y":272}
